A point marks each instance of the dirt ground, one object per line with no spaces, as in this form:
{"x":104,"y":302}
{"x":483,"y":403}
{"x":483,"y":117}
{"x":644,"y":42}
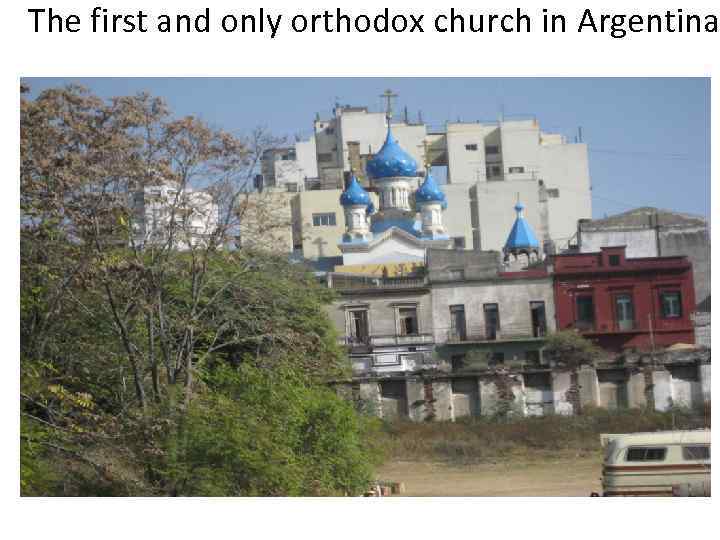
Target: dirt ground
{"x":567,"y":477}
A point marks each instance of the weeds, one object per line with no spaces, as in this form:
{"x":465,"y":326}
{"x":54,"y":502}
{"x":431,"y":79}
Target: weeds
{"x":483,"y":440}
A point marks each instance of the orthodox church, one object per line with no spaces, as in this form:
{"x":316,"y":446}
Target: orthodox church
{"x":392,"y":236}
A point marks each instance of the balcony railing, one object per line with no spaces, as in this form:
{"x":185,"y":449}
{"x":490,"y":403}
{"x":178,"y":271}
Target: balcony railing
{"x":504,"y":333}
{"x":608,"y":326}
{"x":410,"y":339}
{"x":387,"y":340}
{"x":346,"y":282}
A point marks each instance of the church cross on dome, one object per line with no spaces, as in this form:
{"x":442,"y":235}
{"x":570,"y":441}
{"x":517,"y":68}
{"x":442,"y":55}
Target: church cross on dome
{"x":388,"y":95}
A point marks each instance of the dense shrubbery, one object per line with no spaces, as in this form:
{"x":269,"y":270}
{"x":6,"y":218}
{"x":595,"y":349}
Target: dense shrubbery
{"x":266,"y":432}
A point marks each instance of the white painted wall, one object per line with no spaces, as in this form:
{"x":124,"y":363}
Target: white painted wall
{"x":392,"y":249}
{"x":466,"y":166}
{"x":662,"y":390}
{"x":640,"y":243}
{"x":565,"y":167}
{"x":496,"y":213}
{"x":457,"y":218}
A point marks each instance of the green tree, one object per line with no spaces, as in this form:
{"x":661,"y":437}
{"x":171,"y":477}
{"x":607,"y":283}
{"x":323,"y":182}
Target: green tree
{"x":569,"y":349}
{"x":124,"y":338}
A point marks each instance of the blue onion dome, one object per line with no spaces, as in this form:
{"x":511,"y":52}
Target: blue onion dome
{"x":391,"y":160}
{"x":521,"y":235}
{"x":430,"y":192}
{"x":356,"y":195}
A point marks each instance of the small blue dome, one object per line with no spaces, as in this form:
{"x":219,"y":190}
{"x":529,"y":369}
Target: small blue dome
{"x":429,"y":192}
{"x":521,"y":235}
{"x":356,"y":195}
{"x":391,"y":160}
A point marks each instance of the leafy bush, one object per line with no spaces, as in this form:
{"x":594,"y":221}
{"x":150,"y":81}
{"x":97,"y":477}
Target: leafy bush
{"x":570,"y":349}
{"x":267,"y":432}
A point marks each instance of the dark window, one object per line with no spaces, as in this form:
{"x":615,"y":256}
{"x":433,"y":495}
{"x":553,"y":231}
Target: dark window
{"x":696,"y":452}
{"x":584,"y":312}
{"x":459,"y":242}
{"x":493,"y":171}
{"x":614,"y":260}
{"x":471,"y":147}
{"x":492,"y":320}
{"x":513,"y":170}
{"x":624,"y":312}
{"x":646,"y":454}
{"x":330,"y":131}
{"x":670,"y":305}
{"x":457,"y":361}
{"x":497,"y":358}
{"x":553,"y":193}
{"x":457,"y":323}
{"x":408,"y":321}
{"x":490,"y":150}
{"x":324,"y":158}
{"x":537,"y":314}
{"x":358,"y":326}
{"x":324,"y":220}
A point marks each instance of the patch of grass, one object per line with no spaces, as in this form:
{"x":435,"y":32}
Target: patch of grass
{"x":484,"y":440}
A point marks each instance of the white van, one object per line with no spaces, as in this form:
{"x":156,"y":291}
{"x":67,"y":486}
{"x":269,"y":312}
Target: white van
{"x":662,"y":463}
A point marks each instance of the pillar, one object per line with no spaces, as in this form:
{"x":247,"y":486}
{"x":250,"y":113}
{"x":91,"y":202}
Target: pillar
{"x":417,"y":405}
{"x":704,"y":378}
{"x":560,"y":381}
{"x":662,"y":389}
{"x":636,"y":395}
{"x":588,"y":387}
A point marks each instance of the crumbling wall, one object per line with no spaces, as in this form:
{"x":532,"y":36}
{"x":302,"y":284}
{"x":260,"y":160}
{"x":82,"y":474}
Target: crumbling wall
{"x":662,"y":389}
{"x":369,"y":400}
{"x":442,"y":395}
{"x":561,"y":385}
{"x":588,"y":388}
{"x":704,"y":374}
{"x":636,"y":394}
{"x":502,"y":394}
{"x":418,"y":401}
{"x":702,"y":329}
{"x":659,"y":381}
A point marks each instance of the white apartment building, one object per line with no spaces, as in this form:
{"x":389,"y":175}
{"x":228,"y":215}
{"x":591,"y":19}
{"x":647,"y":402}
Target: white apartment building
{"x":489,"y":165}
{"x":164,"y":210}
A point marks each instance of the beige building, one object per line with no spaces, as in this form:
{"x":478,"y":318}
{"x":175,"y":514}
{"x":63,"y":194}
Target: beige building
{"x":265,"y":219}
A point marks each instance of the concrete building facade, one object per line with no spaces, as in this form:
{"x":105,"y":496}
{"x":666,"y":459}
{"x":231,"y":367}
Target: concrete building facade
{"x":485,"y":316}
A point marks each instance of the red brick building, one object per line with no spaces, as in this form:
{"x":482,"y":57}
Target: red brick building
{"x":625,"y":303}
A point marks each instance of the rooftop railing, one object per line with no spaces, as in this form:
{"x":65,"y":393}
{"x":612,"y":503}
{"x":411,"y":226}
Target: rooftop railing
{"x":346,"y":282}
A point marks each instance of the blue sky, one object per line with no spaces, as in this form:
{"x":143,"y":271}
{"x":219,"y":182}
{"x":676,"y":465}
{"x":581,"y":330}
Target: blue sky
{"x":648,"y":139}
